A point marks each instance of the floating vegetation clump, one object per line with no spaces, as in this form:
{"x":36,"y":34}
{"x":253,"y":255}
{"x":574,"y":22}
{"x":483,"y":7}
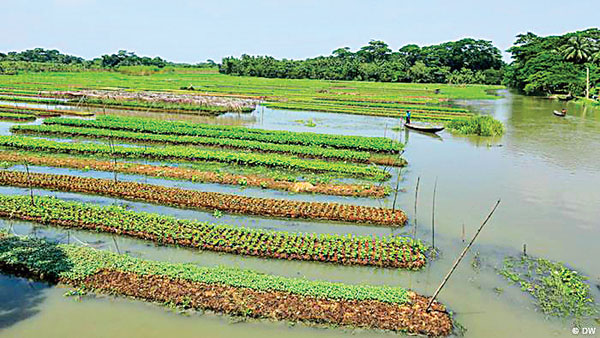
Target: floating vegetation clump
{"x":558,"y":290}
{"x":481,"y":125}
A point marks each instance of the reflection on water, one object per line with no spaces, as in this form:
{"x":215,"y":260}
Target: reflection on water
{"x":545,"y":169}
{"x":19,"y":299}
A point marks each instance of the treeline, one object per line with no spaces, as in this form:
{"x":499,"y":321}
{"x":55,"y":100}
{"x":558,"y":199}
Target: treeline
{"x":39,"y":59}
{"x":462,"y":61}
{"x":555,"y":64}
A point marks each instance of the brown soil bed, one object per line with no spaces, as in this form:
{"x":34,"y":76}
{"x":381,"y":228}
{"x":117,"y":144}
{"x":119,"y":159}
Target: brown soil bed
{"x":195,"y":175}
{"x":207,"y":200}
{"x":410,"y":317}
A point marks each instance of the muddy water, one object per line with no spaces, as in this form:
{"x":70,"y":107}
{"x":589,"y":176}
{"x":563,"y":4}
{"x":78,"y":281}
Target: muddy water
{"x":545,"y":169}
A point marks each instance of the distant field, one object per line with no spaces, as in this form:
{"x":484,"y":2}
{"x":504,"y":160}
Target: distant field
{"x":427,"y":101}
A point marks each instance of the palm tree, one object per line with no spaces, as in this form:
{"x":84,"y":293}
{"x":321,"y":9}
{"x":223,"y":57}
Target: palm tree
{"x":578,"y":49}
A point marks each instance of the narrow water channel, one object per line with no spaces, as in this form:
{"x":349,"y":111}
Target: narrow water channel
{"x":545,"y":169}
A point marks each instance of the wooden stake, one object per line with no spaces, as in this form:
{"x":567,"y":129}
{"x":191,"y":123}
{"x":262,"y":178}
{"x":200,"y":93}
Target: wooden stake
{"x":524,"y":249}
{"x":433,"y":216}
{"x":396,"y":191}
{"x":416,"y":199}
{"x":460,"y":257}
{"x":29,"y":184}
{"x":463,"y":233}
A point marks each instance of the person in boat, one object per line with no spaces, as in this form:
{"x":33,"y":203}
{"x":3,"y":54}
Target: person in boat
{"x":408,"y":117}
{"x":564,"y":111}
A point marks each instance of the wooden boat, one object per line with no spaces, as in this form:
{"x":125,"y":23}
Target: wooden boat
{"x":424,"y":128}
{"x":558,"y":113}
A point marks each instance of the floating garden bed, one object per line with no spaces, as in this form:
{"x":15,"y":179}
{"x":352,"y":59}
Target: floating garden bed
{"x":43,"y":112}
{"x":196,"y":154}
{"x":390,"y":252}
{"x":195,"y":175}
{"x":17,"y":117}
{"x":207,"y":200}
{"x":225,"y":290}
{"x":299,"y":150}
{"x":374,"y":144}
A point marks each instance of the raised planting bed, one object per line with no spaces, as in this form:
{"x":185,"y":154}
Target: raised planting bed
{"x":224,"y":290}
{"x":196,"y":154}
{"x":390,"y":252}
{"x":94,"y":133}
{"x":417,"y":112}
{"x":195,"y":175}
{"x":43,"y":112}
{"x":207,"y":200}
{"x":375,"y":144}
{"x":17,"y":117}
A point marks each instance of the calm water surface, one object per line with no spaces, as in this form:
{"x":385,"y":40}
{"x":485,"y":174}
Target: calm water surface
{"x":545,"y":169}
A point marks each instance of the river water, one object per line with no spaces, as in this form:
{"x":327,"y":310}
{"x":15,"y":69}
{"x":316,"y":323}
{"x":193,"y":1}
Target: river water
{"x":545,"y":170}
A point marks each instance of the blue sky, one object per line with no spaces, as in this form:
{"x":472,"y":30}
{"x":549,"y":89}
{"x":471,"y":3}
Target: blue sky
{"x":192,"y":31}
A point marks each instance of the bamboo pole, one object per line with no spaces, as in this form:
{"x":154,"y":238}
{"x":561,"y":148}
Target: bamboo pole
{"x":29,"y":183}
{"x":433,"y":216}
{"x":460,"y":257}
{"x":416,"y":199}
{"x":396,"y":190}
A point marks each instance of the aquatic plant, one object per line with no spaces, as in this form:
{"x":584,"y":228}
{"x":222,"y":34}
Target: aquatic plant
{"x":557,"y":290}
{"x":481,"y":125}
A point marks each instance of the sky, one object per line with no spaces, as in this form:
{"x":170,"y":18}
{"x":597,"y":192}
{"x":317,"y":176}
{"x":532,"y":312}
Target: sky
{"x":194,"y":31}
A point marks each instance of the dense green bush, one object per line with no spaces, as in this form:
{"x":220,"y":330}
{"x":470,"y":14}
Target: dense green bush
{"x":482,"y":125}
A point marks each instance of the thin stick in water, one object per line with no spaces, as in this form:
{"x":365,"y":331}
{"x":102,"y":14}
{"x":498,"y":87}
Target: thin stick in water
{"x":461,"y":256}
{"x":433,"y":216}
{"x":396,"y":190}
{"x":416,"y":199}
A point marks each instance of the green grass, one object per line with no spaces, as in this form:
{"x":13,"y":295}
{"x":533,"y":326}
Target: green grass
{"x":481,"y":125}
{"x":331,"y":96}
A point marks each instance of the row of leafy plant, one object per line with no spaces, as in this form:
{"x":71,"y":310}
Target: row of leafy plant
{"x":391,"y":251}
{"x":195,"y":175}
{"x":417,"y":113}
{"x":376,"y":144}
{"x":43,"y":112}
{"x":303,"y":151}
{"x":207,"y":200}
{"x":16,"y":117}
{"x":226,"y":290}
{"x":194,"y":154}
